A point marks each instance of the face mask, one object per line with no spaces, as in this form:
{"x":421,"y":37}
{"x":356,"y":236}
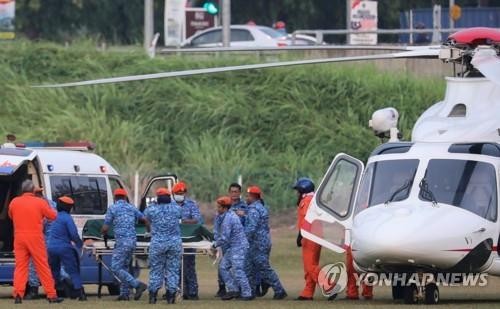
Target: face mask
{"x":179,"y":198}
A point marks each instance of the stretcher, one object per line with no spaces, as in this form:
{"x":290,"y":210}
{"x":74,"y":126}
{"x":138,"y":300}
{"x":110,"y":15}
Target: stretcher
{"x":196,"y":240}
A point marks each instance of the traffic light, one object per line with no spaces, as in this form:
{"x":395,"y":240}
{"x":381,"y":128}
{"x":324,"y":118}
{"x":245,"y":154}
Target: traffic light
{"x":211,"y":7}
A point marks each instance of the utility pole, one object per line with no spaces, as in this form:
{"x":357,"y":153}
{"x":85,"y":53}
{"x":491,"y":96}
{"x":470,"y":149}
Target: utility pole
{"x":226,"y":23}
{"x":348,"y":20}
{"x":452,"y":22}
{"x":148,"y":23}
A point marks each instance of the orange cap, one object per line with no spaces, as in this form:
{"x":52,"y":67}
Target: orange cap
{"x":162,"y":191}
{"x":254,"y":190}
{"x":224,"y":201}
{"x":179,"y":187}
{"x":66,"y":200}
{"x":120,"y":192}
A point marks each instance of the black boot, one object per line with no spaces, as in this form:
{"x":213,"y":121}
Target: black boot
{"x":222,"y":291}
{"x":18,"y":300}
{"x":170,"y":297}
{"x":31,"y":293}
{"x":139,"y":290}
{"x":230,"y":295}
{"x":153,"y":297}
{"x":82,"y":296}
{"x":123,"y":298}
{"x":55,"y":300}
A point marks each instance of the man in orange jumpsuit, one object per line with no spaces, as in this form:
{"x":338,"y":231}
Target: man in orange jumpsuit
{"x":352,"y":288}
{"x":310,"y":250}
{"x":27,"y":213}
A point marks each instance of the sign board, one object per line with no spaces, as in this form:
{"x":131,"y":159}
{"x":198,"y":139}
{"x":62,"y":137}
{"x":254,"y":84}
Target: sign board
{"x":7,"y":14}
{"x":364,"y":17}
{"x":174,"y":22}
{"x":455,"y":12}
{"x":198,"y":19}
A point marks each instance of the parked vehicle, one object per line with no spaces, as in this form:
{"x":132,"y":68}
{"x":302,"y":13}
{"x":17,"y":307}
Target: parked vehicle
{"x":241,"y":36}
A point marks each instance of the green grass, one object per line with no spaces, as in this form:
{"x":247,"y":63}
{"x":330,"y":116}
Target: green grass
{"x":286,"y":260}
{"x":270,"y":126}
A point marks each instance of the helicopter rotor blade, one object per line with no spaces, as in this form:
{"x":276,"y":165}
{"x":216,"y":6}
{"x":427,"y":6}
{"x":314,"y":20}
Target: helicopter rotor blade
{"x":418,"y":53}
{"x":488,"y":63}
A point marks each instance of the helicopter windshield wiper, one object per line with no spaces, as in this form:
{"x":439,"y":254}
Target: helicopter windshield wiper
{"x":426,"y":193}
{"x":405,"y":186}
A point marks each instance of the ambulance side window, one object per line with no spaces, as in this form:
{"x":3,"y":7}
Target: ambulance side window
{"x":90,"y":193}
{"x":115,"y":184}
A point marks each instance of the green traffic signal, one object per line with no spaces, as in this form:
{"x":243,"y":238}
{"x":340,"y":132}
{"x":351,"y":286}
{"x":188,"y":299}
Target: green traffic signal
{"x":211,"y":8}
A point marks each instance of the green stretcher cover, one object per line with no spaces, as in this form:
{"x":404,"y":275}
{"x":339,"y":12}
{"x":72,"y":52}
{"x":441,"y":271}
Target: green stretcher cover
{"x":189,"y":232}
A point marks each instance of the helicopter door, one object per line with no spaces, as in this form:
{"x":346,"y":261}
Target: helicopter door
{"x":149,"y":195}
{"x":329,"y":218}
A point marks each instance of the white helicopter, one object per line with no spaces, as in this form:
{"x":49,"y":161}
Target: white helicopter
{"x":425,"y":206}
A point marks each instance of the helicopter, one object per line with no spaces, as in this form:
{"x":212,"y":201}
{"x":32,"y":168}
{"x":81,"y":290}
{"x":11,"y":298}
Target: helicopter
{"x":428,"y":205}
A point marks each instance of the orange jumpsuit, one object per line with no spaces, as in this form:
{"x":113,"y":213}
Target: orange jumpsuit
{"x":310,"y":250}
{"x":352,"y":288}
{"x":27,"y":213}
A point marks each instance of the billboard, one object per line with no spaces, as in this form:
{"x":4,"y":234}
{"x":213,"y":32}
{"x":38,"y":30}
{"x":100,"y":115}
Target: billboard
{"x":174,"y":22}
{"x":7,"y":13}
{"x":363,"y":17}
{"x":198,"y":19}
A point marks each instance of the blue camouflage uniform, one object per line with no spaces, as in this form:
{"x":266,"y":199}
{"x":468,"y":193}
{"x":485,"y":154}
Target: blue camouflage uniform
{"x":190,"y":211}
{"x":62,"y":252}
{"x":241,"y":205}
{"x":165,"y":249}
{"x":33,"y":280}
{"x":257,"y":232}
{"x":123,"y":216}
{"x":232,"y":240}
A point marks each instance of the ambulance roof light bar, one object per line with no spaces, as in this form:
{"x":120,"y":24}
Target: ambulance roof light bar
{"x":79,"y":146}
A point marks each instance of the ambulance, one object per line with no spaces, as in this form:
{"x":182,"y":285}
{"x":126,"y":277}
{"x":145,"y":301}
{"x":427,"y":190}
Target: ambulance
{"x":70,"y":169}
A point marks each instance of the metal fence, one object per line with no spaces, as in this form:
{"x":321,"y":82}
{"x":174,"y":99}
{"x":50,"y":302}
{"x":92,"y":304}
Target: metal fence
{"x":320,"y":34}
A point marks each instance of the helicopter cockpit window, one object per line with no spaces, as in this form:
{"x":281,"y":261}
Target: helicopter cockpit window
{"x":383,"y":181}
{"x":459,"y":110}
{"x":470,"y":185}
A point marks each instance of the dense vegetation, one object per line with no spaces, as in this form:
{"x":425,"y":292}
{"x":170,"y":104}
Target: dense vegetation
{"x":121,"y":21}
{"x":270,"y":126}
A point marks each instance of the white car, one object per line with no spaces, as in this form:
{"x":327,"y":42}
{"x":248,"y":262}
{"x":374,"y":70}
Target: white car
{"x":241,"y":36}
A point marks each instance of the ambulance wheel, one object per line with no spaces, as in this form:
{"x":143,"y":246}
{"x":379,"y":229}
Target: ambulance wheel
{"x":114,"y":289}
{"x":398,"y":292}
{"x":431,"y":294}
{"x":411,"y":294}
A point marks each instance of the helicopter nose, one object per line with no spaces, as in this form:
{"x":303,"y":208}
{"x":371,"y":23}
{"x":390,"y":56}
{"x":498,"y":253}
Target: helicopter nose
{"x":408,"y":235}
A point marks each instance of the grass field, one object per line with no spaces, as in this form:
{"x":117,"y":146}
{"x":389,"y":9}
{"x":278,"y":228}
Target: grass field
{"x":286,"y":261}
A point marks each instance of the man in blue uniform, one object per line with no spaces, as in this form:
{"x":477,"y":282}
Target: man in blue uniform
{"x":123,"y":216}
{"x":190,"y":215}
{"x":257,"y":232}
{"x":239,"y":207}
{"x":166,"y":245}
{"x":61,"y":250}
{"x":232,"y":240}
